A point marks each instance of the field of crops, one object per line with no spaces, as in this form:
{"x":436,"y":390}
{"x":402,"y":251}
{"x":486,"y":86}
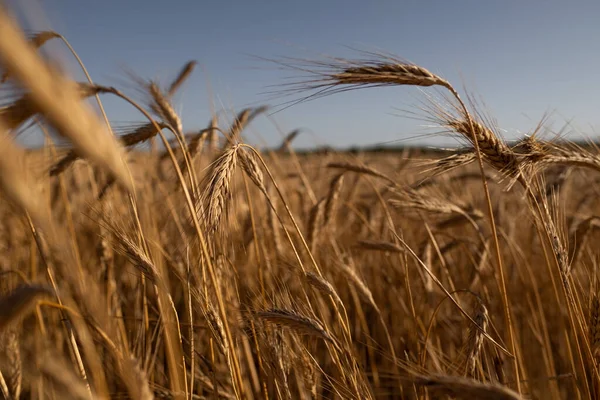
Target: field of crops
{"x":209,"y":268}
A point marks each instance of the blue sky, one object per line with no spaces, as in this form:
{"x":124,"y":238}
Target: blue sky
{"x":523,"y":59}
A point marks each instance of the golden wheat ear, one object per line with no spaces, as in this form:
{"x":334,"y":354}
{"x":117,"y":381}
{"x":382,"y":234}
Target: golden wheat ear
{"x":295,"y":321}
{"x":55,"y":96}
{"x":252,"y":169}
{"x":19,"y":111}
{"x":495,"y":151}
{"x":36,"y":40}
{"x":285,"y":145}
{"x":464,"y":388}
{"x":594,"y":326}
{"x":215,"y":199}
{"x":475,"y":337}
{"x":162,"y":106}
{"x":11,"y":377}
{"x":185,"y":73}
{"x":331,"y":205}
{"x":17,"y":304}
{"x":130,"y":138}
{"x":335,"y":75}
{"x":322,"y":285}
{"x":243,"y":118}
{"x":376,"y":245}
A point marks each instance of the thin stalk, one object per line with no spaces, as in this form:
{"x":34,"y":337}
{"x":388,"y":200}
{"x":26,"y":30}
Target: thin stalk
{"x":236,"y":373}
{"x":490,"y":210}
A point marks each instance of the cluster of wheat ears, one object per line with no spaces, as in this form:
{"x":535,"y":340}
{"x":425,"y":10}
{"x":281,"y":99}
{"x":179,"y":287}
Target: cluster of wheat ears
{"x":207,"y":268}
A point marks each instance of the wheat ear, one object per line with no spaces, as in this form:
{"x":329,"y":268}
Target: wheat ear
{"x":12,"y":369}
{"x":331,"y":203}
{"x":465,"y":388}
{"x":36,"y":41}
{"x":594,"y":325}
{"x":218,"y":187}
{"x":185,"y":72}
{"x":20,"y":302}
{"x":475,"y":337}
{"x":297,"y":322}
{"x":56,"y":98}
{"x":138,"y":135}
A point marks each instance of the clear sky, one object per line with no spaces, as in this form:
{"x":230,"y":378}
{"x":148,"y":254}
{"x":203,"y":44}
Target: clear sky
{"x":522,"y":58}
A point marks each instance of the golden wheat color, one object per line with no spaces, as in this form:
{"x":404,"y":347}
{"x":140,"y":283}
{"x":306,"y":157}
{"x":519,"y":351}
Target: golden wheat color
{"x":245,"y":272}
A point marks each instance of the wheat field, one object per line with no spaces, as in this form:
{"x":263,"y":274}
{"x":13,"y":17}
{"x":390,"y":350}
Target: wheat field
{"x":209,"y":268}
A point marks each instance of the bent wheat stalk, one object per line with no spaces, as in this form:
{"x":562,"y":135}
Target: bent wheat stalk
{"x":333,"y":76}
